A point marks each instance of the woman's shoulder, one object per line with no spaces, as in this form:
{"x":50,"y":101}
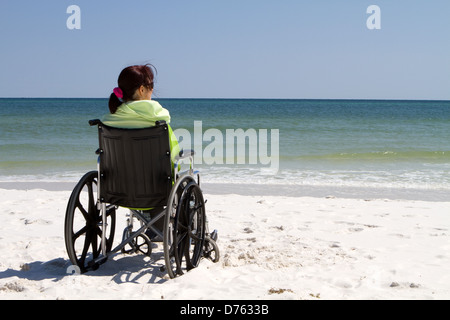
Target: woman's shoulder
{"x":150,"y":110}
{"x":143,"y":104}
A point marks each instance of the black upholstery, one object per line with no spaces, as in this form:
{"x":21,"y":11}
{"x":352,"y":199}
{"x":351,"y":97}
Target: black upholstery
{"x":135,"y":167}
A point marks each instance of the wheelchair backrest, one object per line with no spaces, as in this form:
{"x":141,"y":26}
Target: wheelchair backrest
{"x":135,"y":170}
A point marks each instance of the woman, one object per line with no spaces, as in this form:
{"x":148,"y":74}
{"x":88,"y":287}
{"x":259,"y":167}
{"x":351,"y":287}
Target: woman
{"x":131,"y":105}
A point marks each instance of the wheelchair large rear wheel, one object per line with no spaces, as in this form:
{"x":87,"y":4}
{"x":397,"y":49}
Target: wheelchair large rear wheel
{"x":194,"y":218}
{"x":184,"y":227}
{"x":83,"y":224}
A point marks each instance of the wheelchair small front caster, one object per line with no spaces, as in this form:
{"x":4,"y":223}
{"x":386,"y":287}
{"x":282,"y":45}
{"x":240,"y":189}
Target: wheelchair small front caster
{"x":211,"y":249}
{"x":141,"y":244}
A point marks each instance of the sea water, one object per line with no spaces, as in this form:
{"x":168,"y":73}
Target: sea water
{"x":348,"y":143}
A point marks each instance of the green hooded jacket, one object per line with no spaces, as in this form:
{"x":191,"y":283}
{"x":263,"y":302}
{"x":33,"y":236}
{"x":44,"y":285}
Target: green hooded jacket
{"x":142,"y":114}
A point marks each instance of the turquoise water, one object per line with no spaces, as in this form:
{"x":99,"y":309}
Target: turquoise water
{"x":368,"y":143}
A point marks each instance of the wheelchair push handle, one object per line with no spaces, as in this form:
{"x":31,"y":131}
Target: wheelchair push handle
{"x":96,"y":122}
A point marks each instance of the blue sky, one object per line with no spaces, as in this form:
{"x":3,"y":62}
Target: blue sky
{"x":228,"y":49}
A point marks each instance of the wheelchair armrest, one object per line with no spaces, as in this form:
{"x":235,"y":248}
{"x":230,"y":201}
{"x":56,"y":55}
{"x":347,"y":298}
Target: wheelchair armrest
{"x":185,"y":154}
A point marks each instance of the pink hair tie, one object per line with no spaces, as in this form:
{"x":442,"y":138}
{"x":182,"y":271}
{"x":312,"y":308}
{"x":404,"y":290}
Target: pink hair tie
{"x":118,"y":92}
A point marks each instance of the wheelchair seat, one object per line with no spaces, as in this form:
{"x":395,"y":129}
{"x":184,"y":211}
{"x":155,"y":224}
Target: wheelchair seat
{"x":134,"y":171}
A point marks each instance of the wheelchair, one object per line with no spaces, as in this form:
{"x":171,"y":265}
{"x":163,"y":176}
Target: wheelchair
{"x":135,"y":171}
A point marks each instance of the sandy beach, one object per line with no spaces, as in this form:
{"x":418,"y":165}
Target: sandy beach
{"x":272,"y":247}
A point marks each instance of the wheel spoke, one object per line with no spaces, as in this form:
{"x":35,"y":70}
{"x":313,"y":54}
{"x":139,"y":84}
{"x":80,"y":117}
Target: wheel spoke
{"x":79,"y":233}
{"x":95,"y":248}
{"x":86,"y":246}
{"x":181,"y":237}
{"x":194,"y":237}
{"x":92,"y":206}
{"x":86,"y":215}
{"x":98,"y":231}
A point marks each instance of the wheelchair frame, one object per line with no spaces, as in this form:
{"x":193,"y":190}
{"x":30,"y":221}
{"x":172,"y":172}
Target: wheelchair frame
{"x":185,"y":235}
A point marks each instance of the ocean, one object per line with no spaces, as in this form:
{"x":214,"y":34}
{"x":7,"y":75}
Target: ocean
{"x":335,"y":143}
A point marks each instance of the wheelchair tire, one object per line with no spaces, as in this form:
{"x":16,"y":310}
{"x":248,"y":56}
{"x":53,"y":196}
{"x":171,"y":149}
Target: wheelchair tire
{"x":175,"y":232}
{"x":194,"y":218}
{"x":82,"y":230}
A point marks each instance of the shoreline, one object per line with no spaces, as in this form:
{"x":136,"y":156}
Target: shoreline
{"x":370,"y":193}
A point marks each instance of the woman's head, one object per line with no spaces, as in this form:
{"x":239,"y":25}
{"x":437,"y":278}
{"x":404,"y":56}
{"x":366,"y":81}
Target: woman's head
{"x":135,"y":83}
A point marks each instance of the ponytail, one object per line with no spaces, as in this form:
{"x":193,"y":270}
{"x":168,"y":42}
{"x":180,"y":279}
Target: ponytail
{"x":114,"y":103}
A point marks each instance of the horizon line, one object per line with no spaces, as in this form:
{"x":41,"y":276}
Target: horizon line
{"x":206,"y":98}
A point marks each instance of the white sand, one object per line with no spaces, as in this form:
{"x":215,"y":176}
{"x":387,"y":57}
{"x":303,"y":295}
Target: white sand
{"x":271,"y":248}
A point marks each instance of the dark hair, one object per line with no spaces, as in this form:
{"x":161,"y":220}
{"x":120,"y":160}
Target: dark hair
{"x":131,"y":79}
